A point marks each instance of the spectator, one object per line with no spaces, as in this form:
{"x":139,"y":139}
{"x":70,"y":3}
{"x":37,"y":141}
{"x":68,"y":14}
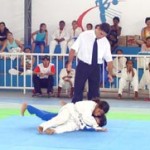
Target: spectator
{"x":43,"y":76}
{"x":66,"y":77}
{"x":41,"y":38}
{"x":89,"y":26}
{"x":119,"y":63}
{"x":145,"y":80}
{"x":114,"y":33}
{"x":143,"y":62}
{"x":12,"y":45}
{"x":146,"y":46}
{"x":146,"y":30}
{"x":3,"y":33}
{"x":128,"y":75}
{"x":27,"y":69}
{"x":74,"y":33}
{"x":60,"y":36}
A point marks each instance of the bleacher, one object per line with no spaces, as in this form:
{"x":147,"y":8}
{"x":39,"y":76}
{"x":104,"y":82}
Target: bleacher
{"x":24,"y":82}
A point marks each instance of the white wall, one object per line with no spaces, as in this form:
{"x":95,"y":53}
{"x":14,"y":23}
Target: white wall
{"x":12,"y":13}
{"x":132,"y":14}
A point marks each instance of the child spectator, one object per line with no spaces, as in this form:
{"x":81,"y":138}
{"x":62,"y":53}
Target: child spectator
{"x":128,"y":75}
{"x":24,"y":68}
{"x":41,"y":38}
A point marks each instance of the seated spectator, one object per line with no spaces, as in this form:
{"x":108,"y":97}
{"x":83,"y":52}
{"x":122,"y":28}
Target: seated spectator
{"x":115,"y":32}
{"x":146,"y":30}
{"x":3,"y":33}
{"x":66,"y":77}
{"x":146,"y":46}
{"x":24,"y":68}
{"x":43,"y":76}
{"x":119,"y":63}
{"x":128,"y":75}
{"x":143,"y":62}
{"x":60,"y":36}
{"x":145,"y":80}
{"x":41,"y":38}
{"x":74,"y":33}
{"x":12,"y":45}
{"x":89,"y":26}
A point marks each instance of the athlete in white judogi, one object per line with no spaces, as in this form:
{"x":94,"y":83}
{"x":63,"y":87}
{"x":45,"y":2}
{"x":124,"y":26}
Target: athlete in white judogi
{"x":145,"y":80}
{"x":74,"y":33}
{"x":72,"y":117}
{"x":128,"y":75}
{"x":66,"y":78}
{"x":119,"y":63}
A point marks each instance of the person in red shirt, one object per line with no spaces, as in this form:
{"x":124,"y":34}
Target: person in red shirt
{"x":43,"y":76}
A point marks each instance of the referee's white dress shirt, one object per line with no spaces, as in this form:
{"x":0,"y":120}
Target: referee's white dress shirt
{"x":84,"y":47}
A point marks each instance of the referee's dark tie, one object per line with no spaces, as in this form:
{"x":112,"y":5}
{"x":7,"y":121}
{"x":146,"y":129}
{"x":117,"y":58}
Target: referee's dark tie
{"x":94,"y":54}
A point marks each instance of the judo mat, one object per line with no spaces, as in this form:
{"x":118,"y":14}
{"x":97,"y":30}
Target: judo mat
{"x":20,"y":133}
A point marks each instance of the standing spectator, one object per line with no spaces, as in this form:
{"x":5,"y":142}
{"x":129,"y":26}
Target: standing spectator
{"x":60,"y":36}
{"x":91,"y":47}
{"x":41,"y":38}
{"x":128,"y":75}
{"x":114,"y":33}
{"x":74,"y":33}
{"x":43,"y":76}
{"x":65,"y":77}
{"x":3,"y":33}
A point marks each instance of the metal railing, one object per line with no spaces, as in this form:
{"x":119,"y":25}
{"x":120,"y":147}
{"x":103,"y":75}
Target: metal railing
{"x":24,"y":81}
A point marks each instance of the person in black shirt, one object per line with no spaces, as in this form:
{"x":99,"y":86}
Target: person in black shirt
{"x":3,"y":33}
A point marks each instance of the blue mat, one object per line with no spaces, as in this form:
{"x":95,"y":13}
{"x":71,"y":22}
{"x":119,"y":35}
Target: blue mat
{"x":19,"y":133}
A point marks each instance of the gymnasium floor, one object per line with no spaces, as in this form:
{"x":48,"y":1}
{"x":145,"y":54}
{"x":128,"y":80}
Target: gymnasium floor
{"x":128,"y":126}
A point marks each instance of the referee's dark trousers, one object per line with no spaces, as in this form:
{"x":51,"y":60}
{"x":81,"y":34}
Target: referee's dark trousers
{"x":88,"y":72}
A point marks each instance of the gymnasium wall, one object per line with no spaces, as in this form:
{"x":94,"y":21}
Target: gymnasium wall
{"x":131,"y":12}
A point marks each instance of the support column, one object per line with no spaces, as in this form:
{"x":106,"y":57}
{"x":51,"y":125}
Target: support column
{"x":27,"y":21}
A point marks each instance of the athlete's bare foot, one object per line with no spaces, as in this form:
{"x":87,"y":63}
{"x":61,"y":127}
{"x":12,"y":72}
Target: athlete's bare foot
{"x":23,"y":108}
{"x":62,"y":103}
{"x":40,"y":129}
{"x":49,"y":131}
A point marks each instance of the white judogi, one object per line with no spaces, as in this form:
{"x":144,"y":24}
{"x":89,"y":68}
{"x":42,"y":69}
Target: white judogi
{"x":73,"y":36}
{"x":145,"y":80}
{"x":126,"y":77}
{"x":118,"y":65}
{"x":58,"y":34}
{"x":63,"y":73}
{"x":73,"y":117}
{"x":143,"y":62}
